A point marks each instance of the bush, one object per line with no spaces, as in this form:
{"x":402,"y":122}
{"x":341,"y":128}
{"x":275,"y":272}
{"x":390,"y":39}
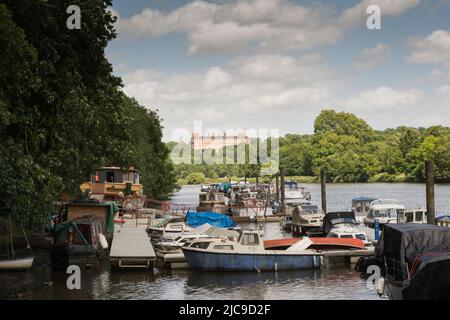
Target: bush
{"x":195,"y":178}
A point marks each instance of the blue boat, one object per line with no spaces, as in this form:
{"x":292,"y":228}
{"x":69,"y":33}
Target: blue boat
{"x":248,"y":254}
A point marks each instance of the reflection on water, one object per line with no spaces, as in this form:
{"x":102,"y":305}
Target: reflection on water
{"x":329,"y":283}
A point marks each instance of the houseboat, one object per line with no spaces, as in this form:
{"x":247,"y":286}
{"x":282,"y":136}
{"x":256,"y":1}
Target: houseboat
{"x":81,"y":242}
{"x":247,"y":253}
{"x":84,"y":236}
{"x":212,"y":201}
{"x":383,"y":211}
{"x":107,"y":183}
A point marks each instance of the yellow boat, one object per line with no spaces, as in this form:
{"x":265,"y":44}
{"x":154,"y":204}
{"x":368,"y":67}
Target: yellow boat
{"x":109,"y":182}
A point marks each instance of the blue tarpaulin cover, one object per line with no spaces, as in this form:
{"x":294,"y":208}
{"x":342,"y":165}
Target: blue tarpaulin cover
{"x":219,"y":220}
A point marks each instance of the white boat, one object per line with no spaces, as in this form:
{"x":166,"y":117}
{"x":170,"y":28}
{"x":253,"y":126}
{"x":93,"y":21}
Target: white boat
{"x":413,"y":216}
{"x":305,"y":217}
{"x":343,"y":225}
{"x":16,"y":260}
{"x":383,"y":211}
{"x":293,"y":191}
{"x":177,"y":242}
{"x":167,"y":226}
{"x":17,"y":264}
{"x":361,"y":207}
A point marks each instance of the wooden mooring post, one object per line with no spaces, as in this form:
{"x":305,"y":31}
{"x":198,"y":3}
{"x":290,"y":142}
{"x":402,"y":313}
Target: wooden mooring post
{"x":323,"y":189}
{"x":277,"y":187}
{"x":283,"y":204}
{"x":431,"y":208}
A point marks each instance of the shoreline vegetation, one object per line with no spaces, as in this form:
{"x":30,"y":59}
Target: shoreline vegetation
{"x":63,"y":112}
{"x":348,"y":149}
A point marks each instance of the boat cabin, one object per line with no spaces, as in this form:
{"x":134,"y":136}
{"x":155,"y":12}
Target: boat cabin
{"x":384,"y":211}
{"x":361,"y":207}
{"x":412,"y":216}
{"x":109,"y":182}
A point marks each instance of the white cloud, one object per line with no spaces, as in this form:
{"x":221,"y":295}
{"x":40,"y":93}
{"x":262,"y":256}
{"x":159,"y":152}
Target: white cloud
{"x":247,"y":92}
{"x":369,"y":58}
{"x":434,"y":48}
{"x":383,"y":99}
{"x":264,"y":25}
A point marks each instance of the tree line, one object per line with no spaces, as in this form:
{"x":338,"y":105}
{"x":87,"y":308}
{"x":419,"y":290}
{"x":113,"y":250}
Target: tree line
{"x":350,"y":151}
{"x":63,"y":112}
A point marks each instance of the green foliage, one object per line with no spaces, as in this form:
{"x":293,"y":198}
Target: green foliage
{"x":195,"y":178}
{"x":351,"y":151}
{"x":62,"y":111}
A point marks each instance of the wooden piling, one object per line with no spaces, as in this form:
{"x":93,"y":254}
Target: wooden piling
{"x":431,"y":209}
{"x":283,"y":204}
{"x":323,"y":189}
{"x":277,"y":187}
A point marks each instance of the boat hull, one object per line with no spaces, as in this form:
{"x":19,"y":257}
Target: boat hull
{"x":212,"y":261}
{"x":21,"y":264}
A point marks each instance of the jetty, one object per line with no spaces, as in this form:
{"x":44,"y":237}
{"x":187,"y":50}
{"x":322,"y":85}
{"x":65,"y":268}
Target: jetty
{"x":131,"y":247}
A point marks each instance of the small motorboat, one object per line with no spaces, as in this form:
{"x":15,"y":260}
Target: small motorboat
{"x":415,"y":260}
{"x":383,"y":211}
{"x":16,"y":260}
{"x":249,"y":254}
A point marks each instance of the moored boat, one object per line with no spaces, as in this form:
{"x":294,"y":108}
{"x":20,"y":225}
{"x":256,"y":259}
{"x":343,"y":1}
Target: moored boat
{"x":306,"y":216}
{"x":13,"y":259}
{"x":416,"y":260}
{"x":248,"y":254}
{"x":383,"y":211}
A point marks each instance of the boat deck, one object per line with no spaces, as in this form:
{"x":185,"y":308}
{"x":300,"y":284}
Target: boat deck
{"x":131,"y":248}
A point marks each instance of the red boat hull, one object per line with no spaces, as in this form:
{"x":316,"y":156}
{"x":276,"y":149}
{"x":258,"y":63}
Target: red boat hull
{"x":318,"y":243}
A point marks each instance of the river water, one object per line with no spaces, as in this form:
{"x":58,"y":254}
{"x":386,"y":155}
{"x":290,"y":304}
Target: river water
{"x":337,"y":282}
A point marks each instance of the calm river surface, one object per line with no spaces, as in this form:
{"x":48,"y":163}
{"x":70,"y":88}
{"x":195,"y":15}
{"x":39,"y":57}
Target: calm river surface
{"x":329,"y":283}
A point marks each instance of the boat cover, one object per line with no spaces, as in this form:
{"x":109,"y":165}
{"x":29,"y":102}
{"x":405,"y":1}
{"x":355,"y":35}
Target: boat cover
{"x":333,"y":218}
{"x":219,"y":220}
{"x":406,"y":241}
{"x":431,"y":279}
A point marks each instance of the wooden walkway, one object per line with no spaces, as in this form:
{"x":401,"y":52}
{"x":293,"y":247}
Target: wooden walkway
{"x":131,"y":247}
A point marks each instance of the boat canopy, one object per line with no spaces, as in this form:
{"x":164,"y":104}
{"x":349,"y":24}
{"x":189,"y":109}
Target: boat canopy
{"x":333,"y":218}
{"x":364,"y":199}
{"x":405,"y":242}
{"x":219,"y":220}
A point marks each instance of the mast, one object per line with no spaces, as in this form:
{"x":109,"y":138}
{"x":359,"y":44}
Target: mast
{"x":11,"y":238}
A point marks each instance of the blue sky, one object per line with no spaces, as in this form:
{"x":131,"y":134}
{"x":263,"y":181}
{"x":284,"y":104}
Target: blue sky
{"x":278,"y":63}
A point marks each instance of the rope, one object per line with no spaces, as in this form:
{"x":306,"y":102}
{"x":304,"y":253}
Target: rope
{"x":417,"y":259}
{"x":26,"y":238}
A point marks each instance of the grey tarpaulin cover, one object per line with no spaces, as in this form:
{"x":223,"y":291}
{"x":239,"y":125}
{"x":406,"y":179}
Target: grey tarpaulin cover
{"x":405,"y":241}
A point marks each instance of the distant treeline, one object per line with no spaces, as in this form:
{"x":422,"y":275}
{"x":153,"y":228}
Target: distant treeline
{"x":62,"y":111}
{"x":350,"y":151}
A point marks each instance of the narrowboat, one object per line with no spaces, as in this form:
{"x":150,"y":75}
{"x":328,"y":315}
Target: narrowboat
{"x":81,"y":242}
{"x":84,"y":236}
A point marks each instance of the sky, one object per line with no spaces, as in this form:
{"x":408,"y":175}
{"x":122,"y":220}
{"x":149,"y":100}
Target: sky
{"x":275,"y":64}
